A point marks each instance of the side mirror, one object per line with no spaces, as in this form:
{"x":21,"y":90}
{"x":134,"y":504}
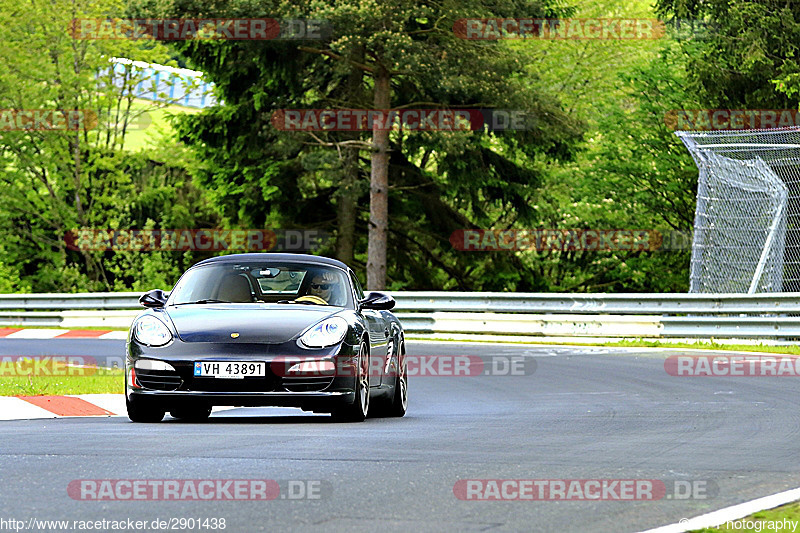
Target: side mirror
{"x":378,"y":301}
{"x":154,"y":298}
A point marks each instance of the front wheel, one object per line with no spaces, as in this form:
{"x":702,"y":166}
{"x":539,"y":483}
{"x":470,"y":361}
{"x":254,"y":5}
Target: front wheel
{"x":358,"y":410}
{"x":140,"y":410}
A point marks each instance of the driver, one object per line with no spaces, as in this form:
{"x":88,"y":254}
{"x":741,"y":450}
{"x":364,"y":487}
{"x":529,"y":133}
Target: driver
{"x":325,"y":285}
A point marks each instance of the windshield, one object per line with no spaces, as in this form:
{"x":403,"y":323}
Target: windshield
{"x":266,"y":282}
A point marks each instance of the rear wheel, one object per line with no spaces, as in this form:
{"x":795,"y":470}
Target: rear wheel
{"x":398,"y":403}
{"x":400,"y":400}
{"x":141,"y":410}
{"x":358,"y":410}
{"x":195,"y":413}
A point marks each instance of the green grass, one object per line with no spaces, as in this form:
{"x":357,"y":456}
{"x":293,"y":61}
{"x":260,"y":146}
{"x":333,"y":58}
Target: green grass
{"x":711,"y":345}
{"x":150,"y":127}
{"x":790,"y":511}
{"x":702,"y":345}
{"x":82,"y":381}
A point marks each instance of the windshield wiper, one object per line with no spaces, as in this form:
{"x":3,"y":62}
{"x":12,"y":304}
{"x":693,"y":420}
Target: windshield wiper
{"x":305,"y":302}
{"x":206,"y":301}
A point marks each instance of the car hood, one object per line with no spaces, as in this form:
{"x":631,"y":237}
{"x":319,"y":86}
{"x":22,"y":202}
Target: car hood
{"x":258,"y":323}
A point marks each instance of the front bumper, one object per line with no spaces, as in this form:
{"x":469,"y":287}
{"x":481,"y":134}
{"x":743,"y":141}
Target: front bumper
{"x":310,"y":401}
{"x":181,"y":387}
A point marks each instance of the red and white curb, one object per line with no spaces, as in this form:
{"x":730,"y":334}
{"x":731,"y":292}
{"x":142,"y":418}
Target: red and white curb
{"x":42,"y":333}
{"x":33,"y":407}
{"x":72,"y":406}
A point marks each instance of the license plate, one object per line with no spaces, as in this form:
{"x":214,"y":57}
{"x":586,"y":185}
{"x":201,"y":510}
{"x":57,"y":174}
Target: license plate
{"x":229,"y":369}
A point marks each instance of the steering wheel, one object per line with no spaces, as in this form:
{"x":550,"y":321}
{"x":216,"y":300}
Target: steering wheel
{"x":310,"y":298}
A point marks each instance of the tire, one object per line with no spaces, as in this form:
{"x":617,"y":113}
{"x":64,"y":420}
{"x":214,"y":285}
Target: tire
{"x":400,"y":400}
{"x":197,"y":413}
{"x":397,"y":405}
{"x":143,"y":411}
{"x":359,"y":409}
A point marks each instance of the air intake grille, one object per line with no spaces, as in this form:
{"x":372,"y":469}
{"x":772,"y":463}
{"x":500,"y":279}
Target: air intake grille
{"x":158,"y":379}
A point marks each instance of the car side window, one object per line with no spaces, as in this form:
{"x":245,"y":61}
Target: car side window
{"x":357,"y":288}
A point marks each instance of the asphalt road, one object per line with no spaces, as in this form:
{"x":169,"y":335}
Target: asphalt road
{"x":585,"y":413}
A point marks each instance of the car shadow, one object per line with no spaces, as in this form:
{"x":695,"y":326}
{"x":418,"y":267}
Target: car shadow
{"x":278,"y":419}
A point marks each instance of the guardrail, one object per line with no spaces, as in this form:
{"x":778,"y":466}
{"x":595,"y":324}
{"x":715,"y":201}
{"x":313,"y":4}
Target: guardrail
{"x":757,"y":316}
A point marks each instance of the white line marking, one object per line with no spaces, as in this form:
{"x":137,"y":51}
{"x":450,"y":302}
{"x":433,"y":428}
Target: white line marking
{"x":732,"y":513}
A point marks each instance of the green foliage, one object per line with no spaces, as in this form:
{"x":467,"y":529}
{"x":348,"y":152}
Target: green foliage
{"x":61,"y":180}
{"x":599,"y":153}
{"x":440,"y":182}
{"x":750,"y":61}
{"x":9,"y":278}
{"x":631,"y":172}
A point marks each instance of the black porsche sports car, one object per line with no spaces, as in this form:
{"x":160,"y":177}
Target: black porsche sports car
{"x":266,"y":330}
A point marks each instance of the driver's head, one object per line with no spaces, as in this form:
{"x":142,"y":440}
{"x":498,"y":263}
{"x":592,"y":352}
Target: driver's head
{"x":322,"y":286}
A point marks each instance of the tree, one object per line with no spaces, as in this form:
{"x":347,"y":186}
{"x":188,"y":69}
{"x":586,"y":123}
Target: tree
{"x":631,"y":171}
{"x":401,"y":54}
{"x":750,"y":59}
{"x":58,"y":180}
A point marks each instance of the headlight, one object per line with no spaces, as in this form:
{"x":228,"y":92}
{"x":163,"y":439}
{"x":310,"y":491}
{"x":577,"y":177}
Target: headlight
{"x":151,"y":331}
{"x":327,"y":333}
